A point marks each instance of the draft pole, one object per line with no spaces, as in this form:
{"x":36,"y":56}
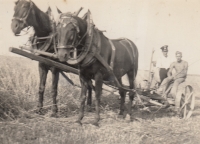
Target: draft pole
{"x":150,"y":75}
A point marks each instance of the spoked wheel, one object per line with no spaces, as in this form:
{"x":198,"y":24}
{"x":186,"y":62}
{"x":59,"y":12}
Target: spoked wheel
{"x":187,"y":102}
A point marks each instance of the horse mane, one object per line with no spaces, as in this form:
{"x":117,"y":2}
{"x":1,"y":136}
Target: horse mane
{"x":42,"y":22}
{"x":82,"y":24}
{"x":83,"y":20}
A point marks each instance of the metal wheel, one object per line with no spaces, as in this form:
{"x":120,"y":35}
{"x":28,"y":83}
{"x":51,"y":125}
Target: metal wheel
{"x":187,"y":102}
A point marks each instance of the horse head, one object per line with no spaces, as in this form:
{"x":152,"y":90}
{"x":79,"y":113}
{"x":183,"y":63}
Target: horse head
{"x":26,"y":13}
{"x":22,"y":15}
{"x":71,"y":32}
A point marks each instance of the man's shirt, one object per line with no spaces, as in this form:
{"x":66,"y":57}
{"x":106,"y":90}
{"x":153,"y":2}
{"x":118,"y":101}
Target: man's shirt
{"x":163,"y":62}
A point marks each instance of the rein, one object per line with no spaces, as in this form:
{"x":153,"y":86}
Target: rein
{"x":24,"y":20}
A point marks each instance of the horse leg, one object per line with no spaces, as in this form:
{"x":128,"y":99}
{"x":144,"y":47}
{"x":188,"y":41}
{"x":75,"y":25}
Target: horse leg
{"x":54,"y":90}
{"x":89,"y":99}
{"x":131,"y":93}
{"x":123,"y":96}
{"x":98,"y":90}
{"x":84,"y":86}
{"x":43,"y":76}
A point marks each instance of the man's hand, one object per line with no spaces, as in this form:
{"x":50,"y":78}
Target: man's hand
{"x":170,"y":78}
{"x":154,"y":63}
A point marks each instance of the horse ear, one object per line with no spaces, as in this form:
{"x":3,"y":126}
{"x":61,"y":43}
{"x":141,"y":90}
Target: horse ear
{"x":48,"y":12}
{"x":58,"y":10}
{"x":16,"y":2}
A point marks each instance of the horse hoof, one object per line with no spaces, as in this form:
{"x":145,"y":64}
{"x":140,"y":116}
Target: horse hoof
{"x":78,"y":122}
{"x":166,"y":105}
{"x":120,"y":116}
{"x":128,"y":117}
{"x":124,"y":115}
{"x":54,"y":115}
{"x":95,"y":124}
{"x":89,"y":109}
{"x":39,"y":111}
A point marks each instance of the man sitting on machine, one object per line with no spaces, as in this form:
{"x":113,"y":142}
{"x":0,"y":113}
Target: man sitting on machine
{"x":181,"y":68}
{"x":162,"y":66}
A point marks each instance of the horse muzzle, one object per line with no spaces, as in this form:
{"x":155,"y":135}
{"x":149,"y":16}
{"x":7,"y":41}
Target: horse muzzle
{"x":16,"y":27}
{"x":62,"y":54}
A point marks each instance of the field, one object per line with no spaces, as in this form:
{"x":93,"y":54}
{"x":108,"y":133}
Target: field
{"x":19,"y":82}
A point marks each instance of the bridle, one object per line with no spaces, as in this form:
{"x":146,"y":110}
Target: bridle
{"x":24,"y":20}
{"x":72,"y":21}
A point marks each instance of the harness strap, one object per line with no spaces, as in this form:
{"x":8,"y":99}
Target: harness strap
{"x":131,"y":46}
{"x":21,"y":19}
{"x":129,"y":52}
{"x":25,"y":18}
{"x":113,"y":54}
{"x":47,"y":37}
{"x":47,"y":43}
{"x":105,"y":64}
{"x":93,"y":47}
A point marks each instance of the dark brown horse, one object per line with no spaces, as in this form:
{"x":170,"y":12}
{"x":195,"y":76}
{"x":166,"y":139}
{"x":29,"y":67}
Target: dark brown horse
{"x":28,"y":14}
{"x":121,"y":55}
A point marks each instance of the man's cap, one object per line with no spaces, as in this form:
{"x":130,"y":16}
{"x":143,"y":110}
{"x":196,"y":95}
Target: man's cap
{"x":164,"y":48}
{"x":178,"y":52}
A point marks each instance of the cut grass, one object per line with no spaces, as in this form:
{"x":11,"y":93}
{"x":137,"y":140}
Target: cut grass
{"x":111,"y":130}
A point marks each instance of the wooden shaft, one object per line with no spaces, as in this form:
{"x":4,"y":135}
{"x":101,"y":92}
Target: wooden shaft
{"x":102,"y":88}
{"x":150,"y":100}
{"x":50,"y":62}
{"x":46,"y":61}
{"x":150,"y":70}
{"x":51,"y":55}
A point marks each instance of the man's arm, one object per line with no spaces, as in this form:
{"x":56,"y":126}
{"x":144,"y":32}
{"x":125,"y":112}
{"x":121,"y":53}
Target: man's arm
{"x":169,"y":73}
{"x":158,"y":62}
{"x":183,"y":72}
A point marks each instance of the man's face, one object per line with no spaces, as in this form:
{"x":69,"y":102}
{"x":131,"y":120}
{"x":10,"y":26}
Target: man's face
{"x":178,"y":57}
{"x":165,"y":53}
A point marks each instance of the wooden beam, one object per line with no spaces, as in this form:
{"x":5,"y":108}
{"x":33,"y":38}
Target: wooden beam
{"x":50,"y":62}
{"x":50,"y":55}
{"x":44,"y":60}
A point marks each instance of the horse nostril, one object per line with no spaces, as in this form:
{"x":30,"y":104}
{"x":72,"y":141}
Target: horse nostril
{"x":16,"y":25}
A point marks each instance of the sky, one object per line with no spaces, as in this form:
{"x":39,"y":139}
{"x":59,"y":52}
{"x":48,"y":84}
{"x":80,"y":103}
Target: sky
{"x":150,"y":24}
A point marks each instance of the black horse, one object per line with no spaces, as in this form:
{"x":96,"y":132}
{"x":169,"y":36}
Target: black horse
{"x":121,"y":54}
{"x":28,"y":14}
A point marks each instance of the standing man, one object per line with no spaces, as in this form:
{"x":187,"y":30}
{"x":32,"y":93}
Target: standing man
{"x":162,"y":65}
{"x":181,"y":68}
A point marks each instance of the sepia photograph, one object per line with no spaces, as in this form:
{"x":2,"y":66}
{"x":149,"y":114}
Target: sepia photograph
{"x":99,"y":71}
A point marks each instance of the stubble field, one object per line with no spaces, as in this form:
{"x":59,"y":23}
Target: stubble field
{"x":19,"y":83}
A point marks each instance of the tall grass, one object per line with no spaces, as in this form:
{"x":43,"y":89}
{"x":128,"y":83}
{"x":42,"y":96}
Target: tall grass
{"x":18,"y":86}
